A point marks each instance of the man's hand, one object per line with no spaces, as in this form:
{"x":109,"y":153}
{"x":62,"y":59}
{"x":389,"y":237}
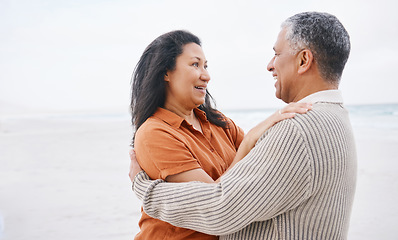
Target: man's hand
{"x":134,"y":166}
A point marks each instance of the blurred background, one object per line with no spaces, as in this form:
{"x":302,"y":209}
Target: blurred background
{"x":58,"y":56}
{"x":65,"y":72}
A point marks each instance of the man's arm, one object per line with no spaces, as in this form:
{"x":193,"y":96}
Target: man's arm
{"x":273,"y":178}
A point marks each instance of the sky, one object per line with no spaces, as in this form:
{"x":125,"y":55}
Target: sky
{"x":79,"y":55}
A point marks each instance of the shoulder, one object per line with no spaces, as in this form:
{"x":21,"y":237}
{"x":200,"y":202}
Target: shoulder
{"x":235,"y":133}
{"x":319,"y":130}
{"x":231,"y":125}
{"x":154,"y":130}
{"x":151,"y":124}
{"x":158,"y":132}
{"x":323,"y":119}
{"x":293,"y":131}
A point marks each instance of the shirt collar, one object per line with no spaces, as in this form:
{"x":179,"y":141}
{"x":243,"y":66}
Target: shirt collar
{"x":174,"y":120}
{"x":330,"y":96}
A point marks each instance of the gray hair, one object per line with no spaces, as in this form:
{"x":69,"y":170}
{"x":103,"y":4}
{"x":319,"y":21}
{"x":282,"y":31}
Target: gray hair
{"x":325,"y":36}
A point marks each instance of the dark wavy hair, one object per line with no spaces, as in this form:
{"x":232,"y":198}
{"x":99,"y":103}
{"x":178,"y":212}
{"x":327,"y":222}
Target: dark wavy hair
{"x":148,"y":84}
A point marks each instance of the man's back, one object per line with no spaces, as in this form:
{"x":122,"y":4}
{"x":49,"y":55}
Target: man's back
{"x":319,"y":146}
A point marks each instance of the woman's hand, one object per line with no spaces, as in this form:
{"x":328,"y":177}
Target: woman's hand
{"x":134,"y":166}
{"x":288,"y":111}
{"x":255,"y":133}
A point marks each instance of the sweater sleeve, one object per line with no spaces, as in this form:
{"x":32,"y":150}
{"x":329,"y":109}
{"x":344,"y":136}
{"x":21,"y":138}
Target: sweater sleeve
{"x":273,"y":178}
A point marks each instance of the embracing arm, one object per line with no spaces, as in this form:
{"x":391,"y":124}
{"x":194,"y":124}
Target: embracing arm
{"x":273,"y":178}
{"x":246,"y":145}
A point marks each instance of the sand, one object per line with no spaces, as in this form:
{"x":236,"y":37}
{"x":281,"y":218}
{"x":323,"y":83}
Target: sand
{"x":65,"y":178}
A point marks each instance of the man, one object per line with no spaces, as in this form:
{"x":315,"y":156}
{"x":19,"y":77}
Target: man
{"x":298,"y":182}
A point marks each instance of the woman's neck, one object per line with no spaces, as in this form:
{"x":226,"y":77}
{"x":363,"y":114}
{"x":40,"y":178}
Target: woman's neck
{"x":187,"y":114}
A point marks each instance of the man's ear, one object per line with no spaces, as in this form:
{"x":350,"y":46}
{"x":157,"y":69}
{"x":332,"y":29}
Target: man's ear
{"x":305,"y":60}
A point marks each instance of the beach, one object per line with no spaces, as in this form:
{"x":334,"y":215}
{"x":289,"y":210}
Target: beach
{"x":65,"y":176}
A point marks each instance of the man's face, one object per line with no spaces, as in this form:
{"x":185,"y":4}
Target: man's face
{"x":284,"y":69}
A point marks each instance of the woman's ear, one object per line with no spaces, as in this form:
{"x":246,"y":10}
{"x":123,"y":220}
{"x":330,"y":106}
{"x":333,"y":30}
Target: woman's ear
{"x":166,"y":77}
{"x":305,"y":60}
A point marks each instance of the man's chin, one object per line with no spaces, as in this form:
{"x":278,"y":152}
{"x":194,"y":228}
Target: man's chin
{"x":278,"y":96}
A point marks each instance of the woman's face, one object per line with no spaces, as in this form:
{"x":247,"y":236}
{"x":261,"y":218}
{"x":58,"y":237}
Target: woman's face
{"x":187,"y":83}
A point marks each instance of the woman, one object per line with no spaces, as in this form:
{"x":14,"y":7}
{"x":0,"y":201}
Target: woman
{"x":179,"y":136}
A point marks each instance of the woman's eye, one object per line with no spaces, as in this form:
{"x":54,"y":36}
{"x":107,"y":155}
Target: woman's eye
{"x":196,"y":64}
{"x":205,"y":66}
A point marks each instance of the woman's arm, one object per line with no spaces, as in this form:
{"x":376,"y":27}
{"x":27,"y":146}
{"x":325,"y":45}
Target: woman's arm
{"x":191,"y":175}
{"x":255,"y":133}
{"x":247,"y":144}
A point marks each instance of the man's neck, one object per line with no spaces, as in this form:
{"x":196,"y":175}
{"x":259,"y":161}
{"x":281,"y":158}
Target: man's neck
{"x":312,"y":87}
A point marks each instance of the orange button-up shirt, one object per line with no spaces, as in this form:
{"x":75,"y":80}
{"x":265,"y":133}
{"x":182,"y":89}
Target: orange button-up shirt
{"x":166,"y":145}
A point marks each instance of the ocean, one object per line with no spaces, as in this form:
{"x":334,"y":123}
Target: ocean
{"x":379,"y":116}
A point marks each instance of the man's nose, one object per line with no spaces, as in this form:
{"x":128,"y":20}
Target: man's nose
{"x":270,"y":66}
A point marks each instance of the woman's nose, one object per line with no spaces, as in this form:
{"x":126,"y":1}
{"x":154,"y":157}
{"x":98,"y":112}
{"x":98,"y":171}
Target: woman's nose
{"x":205,"y":76}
